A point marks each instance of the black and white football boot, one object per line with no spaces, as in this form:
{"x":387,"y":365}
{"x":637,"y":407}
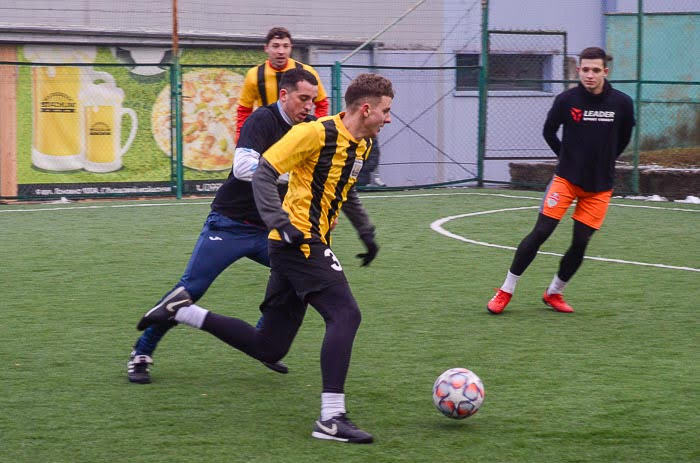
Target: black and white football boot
{"x":166,"y":309}
{"x":279,"y":366}
{"x":341,"y":429}
{"x":138,"y":368}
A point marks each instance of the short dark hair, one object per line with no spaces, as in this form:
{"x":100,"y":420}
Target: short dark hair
{"x":594,"y":53}
{"x":291,"y":78}
{"x":277,"y":33}
{"x":367,"y":86}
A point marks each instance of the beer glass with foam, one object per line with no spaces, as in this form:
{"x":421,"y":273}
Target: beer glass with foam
{"x":103,"y":114}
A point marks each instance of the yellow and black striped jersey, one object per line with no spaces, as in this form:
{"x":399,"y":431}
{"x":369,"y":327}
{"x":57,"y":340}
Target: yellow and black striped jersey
{"x":262,"y":84}
{"x":324,"y":161}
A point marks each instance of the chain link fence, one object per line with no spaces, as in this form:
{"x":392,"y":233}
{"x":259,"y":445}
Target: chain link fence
{"x":663,"y":156}
{"x":126,"y":98}
{"x":429,"y":140}
{"x":526,"y":70}
{"x":669,"y":92}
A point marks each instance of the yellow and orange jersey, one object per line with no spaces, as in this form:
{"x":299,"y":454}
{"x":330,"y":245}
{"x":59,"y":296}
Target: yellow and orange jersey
{"x":262,"y":84}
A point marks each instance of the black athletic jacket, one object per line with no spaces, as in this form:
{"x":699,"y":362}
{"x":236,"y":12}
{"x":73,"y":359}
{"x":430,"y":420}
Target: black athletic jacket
{"x":260,"y":131}
{"x":597,"y":128}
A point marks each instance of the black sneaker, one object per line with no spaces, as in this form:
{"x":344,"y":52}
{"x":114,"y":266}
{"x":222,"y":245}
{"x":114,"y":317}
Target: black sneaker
{"x":340,"y":428}
{"x":138,"y":368}
{"x":166,"y":309}
{"x":278,"y":366}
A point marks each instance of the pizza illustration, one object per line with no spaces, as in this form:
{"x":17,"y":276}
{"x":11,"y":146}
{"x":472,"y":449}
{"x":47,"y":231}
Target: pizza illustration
{"x":209,"y":103}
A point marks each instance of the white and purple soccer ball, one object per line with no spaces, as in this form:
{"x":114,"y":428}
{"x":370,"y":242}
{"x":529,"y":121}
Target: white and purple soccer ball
{"x":458,"y":393}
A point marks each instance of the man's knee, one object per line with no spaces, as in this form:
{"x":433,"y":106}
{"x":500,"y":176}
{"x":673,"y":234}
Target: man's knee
{"x":351,"y":314}
{"x":582,"y":235}
{"x":346,"y":312}
{"x":543,"y":228}
{"x":580,"y":242}
{"x":272,"y":353}
{"x":337,"y":305}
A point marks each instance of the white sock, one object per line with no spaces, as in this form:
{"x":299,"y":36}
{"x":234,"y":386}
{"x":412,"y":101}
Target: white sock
{"x":557,"y":285}
{"x":511,"y":281}
{"x":332,"y":404}
{"x":192,"y":315}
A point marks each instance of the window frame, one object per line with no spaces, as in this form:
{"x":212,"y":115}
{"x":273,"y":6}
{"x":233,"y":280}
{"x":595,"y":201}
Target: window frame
{"x":464,"y":82}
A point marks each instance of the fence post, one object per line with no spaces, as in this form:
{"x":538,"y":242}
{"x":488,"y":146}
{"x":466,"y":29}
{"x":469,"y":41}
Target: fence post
{"x":483,"y":92}
{"x":176,"y":126}
{"x":335,"y":85}
{"x":638,"y":99}
{"x":8,"y":125}
{"x":565,"y":66}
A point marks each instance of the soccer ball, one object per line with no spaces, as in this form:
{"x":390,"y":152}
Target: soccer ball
{"x":458,"y":393}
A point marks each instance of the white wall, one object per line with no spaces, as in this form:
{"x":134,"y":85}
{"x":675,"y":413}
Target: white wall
{"x":327,"y":19}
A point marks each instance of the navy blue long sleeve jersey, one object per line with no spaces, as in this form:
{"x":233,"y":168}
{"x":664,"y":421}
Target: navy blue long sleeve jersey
{"x":261,"y":130}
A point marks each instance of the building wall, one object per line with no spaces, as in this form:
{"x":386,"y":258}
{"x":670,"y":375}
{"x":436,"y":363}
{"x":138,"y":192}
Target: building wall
{"x":433,"y":122}
{"x":329,"y":19}
{"x":449,"y":126}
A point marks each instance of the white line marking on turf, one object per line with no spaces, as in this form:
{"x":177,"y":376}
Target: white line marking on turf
{"x":437,"y":226}
{"x":186,"y":202}
{"x":502,"y":195}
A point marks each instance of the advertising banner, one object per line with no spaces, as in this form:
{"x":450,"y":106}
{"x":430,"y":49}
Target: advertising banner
{"x":97,"y":121}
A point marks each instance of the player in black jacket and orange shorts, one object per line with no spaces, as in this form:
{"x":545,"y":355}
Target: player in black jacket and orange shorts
{"x":597,"y":124}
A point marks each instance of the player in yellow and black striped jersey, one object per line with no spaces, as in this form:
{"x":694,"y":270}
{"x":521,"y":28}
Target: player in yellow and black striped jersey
{"x":330,"y":160}
{"x":262,"y":83}
{"x":324,"y":158}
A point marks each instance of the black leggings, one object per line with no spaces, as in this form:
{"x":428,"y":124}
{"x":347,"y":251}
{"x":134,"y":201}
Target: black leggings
{"x":570,"y":262}
{"x":281,"y":323}
{"x":342,"y":315}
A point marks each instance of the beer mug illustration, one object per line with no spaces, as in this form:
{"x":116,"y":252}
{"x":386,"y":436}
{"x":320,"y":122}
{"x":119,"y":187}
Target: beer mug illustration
{"x":103,"y":113}
{"x":56,"y":113}
{"x":56,"y":138}
{"x":57,"y":135}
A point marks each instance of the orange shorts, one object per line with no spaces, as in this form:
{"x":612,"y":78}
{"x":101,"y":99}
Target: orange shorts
{"x":590,"y":207}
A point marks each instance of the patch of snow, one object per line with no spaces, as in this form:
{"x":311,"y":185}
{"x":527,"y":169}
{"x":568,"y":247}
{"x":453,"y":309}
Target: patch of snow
{"x":689,"y":199}
{"x":647,"y":198}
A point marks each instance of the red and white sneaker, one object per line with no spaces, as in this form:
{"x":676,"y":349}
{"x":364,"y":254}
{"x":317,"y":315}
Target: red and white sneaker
{"x":499,"y":302}
{"x":557,"y":302}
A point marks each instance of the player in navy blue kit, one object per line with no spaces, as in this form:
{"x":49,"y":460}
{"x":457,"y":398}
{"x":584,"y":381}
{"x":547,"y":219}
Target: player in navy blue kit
{"x":597,"y":124}
{"x":233,"y":228}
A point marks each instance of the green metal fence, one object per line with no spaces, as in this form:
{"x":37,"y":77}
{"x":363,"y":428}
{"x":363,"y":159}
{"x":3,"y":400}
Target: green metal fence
{"x":476,"y":123}
{"x":663,"y":84}
{"x":431,"y":140}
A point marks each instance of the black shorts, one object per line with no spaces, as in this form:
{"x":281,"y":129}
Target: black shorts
{"x":290,"y":267}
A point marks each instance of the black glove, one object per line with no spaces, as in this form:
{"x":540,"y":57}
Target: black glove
{"x":291,"y":234}
{"x":372,"y":249}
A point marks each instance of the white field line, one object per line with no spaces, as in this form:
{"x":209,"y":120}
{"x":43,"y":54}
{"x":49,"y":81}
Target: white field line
{"x":437,"y":226}
{"x":363,"y":197}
